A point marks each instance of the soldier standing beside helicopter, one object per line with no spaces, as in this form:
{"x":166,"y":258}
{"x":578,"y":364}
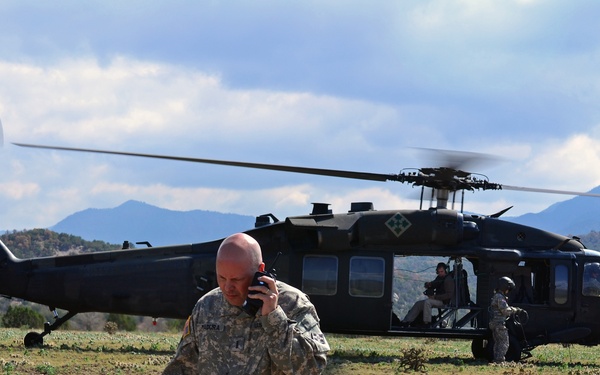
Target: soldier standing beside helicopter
{"x":499,"y":313}
{"x":282,"y":336}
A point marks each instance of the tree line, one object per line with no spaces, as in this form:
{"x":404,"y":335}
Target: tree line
{"x":44,"y":242}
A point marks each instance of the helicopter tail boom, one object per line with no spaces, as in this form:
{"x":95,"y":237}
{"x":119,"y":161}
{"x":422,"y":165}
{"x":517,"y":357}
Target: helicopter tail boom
{"x":13,"y":280}
{"x":6,"y":256}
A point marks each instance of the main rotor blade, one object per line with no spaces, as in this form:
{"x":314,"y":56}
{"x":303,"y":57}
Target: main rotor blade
{"x":274,"y":167}
{"x":414,"y":179}
{"x":459,"y":160}
{"x":549,"y":191}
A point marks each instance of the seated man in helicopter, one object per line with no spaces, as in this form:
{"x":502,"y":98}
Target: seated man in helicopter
{"x":439,"y":293}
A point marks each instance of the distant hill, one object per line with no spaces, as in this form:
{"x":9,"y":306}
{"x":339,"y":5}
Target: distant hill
{"x":36,"y":243}
{"x":576,"y":216}
{"x":137,"y":221}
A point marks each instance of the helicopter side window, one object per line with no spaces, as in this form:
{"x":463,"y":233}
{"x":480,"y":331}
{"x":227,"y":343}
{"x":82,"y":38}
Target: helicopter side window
{"x":367,"y":277}
{"x":319,"y":275}
{"x":561,"y":284}
{"x":591,"y":280}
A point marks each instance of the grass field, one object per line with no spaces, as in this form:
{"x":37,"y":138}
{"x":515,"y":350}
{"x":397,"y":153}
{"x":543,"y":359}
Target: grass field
{"x":72,"y":352}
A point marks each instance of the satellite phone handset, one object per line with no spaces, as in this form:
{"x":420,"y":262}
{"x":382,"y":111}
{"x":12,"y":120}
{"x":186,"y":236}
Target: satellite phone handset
{"x":252,"y":305}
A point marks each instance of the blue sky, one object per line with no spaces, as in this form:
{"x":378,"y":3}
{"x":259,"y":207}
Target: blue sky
{"x":352,"y":85}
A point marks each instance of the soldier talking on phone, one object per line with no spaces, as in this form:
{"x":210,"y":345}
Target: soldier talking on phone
{"x":223,"y":336}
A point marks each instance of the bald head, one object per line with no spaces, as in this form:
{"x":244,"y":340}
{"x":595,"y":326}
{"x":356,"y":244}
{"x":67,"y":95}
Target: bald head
{"x":238,"y":258}
{"x":241,"y":247}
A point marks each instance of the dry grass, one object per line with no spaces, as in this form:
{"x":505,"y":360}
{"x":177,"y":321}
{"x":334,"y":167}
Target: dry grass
{"x":95,"y":353}
{"x":72,"y":352}
{"x":383,"y":355}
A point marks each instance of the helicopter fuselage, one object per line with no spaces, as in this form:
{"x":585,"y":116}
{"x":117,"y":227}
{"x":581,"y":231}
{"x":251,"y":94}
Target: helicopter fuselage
{"x":346,"y":264}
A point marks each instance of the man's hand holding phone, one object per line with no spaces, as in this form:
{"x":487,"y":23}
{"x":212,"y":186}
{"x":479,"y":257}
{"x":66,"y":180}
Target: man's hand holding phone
{"x":262,"y":294}
{"x":266,"y":292}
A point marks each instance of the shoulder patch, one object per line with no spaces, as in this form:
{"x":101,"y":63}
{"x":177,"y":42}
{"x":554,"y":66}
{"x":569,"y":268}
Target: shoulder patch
{"x":186,"y":327}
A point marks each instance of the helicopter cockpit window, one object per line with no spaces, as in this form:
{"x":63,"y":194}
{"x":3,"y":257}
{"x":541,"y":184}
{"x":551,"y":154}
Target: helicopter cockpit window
{"x":367,"y":277}
{"x":591,"y":279}
{"x":319,"y":275}
{"x":561,"y":284}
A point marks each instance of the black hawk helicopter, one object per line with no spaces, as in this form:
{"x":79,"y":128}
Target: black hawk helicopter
{"x":345,"y":263}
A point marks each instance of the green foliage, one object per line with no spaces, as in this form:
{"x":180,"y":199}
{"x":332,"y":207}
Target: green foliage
{"x":8,"y":367}
{"x":44,"y":242}
{"x":46,"y":369}
{"x":20,"y":316}
{"x":175,"y":325}
{"x":123,"y":322}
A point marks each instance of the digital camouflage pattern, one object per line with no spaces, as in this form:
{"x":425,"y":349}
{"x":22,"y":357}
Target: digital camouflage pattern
{"x":499,"y":312}
{"x":220,"y":338}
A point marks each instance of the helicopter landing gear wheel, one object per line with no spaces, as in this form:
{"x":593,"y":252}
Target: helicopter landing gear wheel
{"x":479,"y":348}
{"x":513,"y":354}
{"x":33,"y":339}
{"x":514,"y":349}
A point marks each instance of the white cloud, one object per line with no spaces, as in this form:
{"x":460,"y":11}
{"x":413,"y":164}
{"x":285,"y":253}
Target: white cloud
{"x":129,"y":101}
{"x":353,"y":91}
{"x":569,"y":164}
{"x":18,"y":191}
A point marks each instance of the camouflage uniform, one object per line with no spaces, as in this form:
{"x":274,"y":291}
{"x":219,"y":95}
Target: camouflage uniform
{"x":499,"y":312}
{"x":221,"y":339}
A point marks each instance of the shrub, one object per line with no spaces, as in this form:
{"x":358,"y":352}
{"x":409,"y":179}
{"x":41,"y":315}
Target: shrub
{"x":175,"y":325}
{"x":124,"y":322}
{"x":111,"y":328}
{"x":413,"y":359}
{"x":20,"y":316}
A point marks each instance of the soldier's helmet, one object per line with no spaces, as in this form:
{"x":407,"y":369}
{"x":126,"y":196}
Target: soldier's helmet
{"x":505,"y":284}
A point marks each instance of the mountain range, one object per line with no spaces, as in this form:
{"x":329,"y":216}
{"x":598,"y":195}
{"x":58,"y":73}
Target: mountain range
{"x":136,"y":221}
{"x":576,"y":216}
